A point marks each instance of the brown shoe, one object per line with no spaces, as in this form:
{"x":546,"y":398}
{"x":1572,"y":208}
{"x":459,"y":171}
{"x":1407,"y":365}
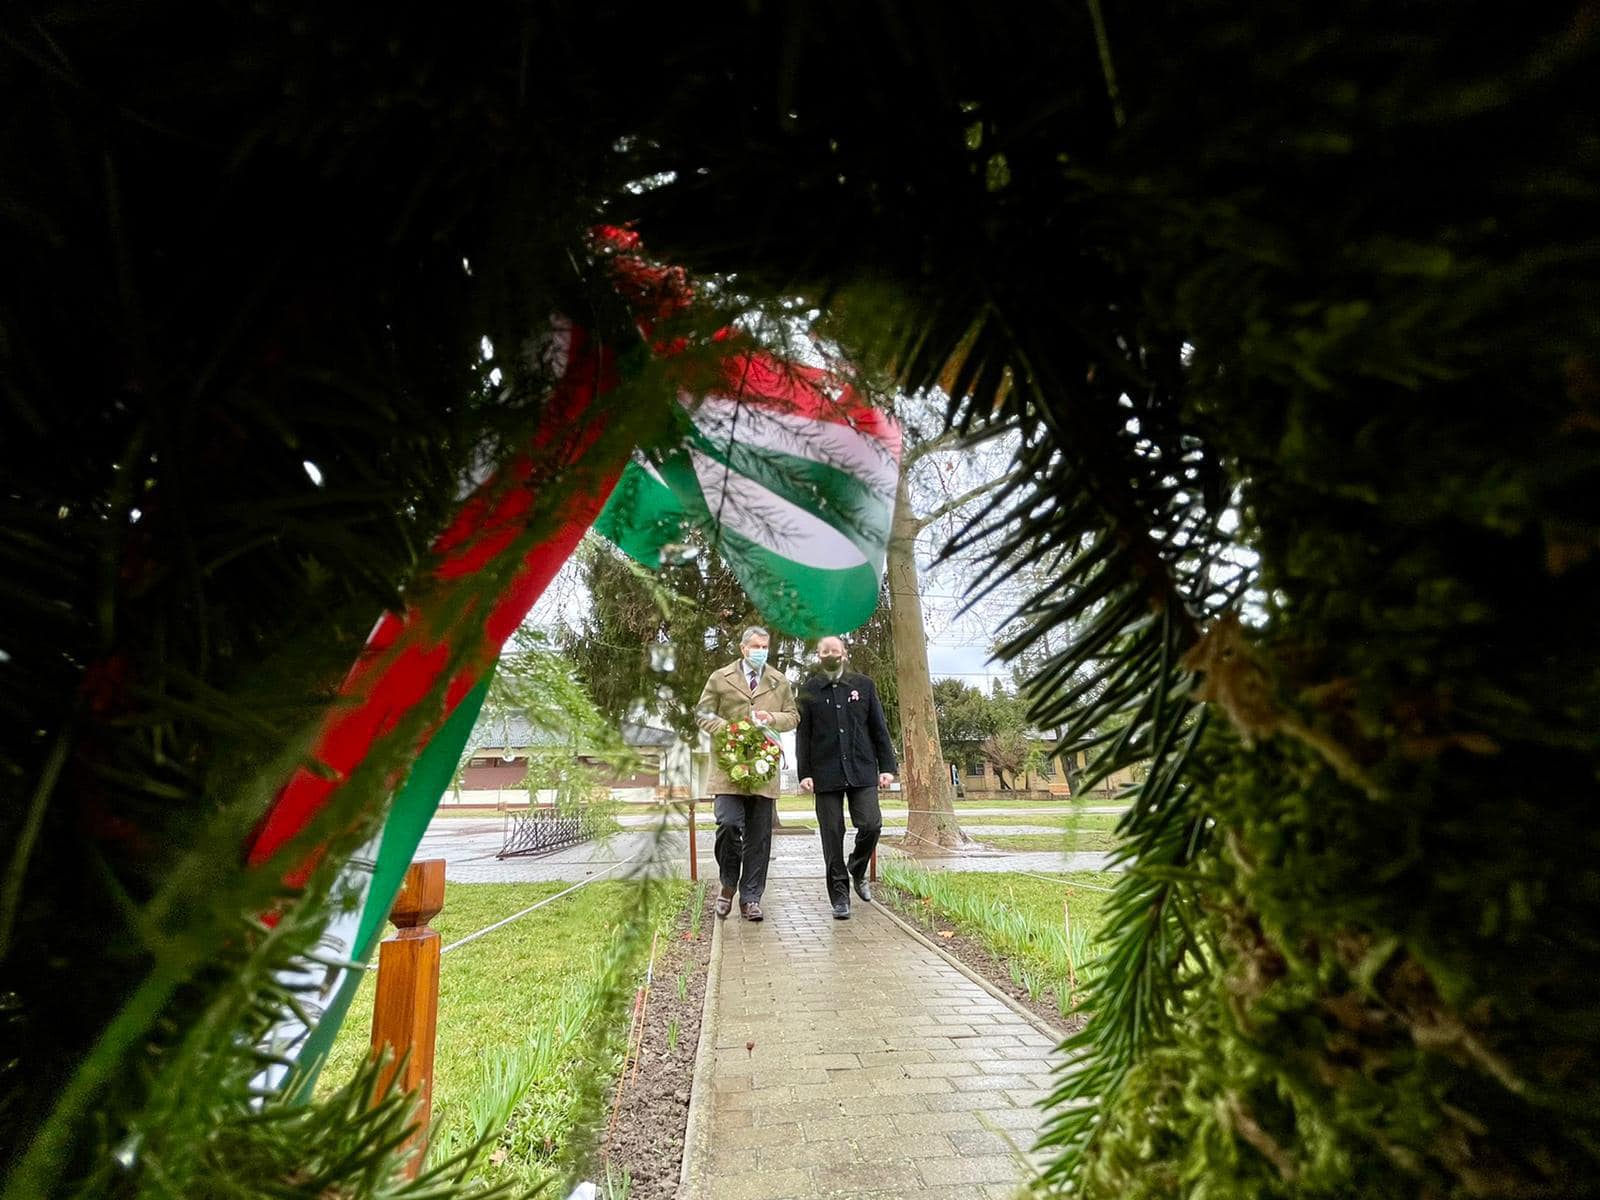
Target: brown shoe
{"x":724,"y":901}
{"x":751,"y":910}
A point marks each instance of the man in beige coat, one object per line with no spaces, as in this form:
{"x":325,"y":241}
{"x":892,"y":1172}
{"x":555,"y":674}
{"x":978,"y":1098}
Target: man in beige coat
{"x":741,"y":690}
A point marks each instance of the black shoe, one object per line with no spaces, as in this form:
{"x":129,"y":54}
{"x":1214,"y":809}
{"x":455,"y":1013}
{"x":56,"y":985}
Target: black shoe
{"x":841,"y":910}
{"x":864,"y":890}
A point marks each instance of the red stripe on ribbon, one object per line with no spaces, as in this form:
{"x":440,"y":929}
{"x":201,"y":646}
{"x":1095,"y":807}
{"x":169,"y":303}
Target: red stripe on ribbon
{"x":405,"y":656}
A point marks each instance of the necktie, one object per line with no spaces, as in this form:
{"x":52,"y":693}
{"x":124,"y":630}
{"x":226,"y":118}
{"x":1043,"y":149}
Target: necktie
{"x":753,"y":678}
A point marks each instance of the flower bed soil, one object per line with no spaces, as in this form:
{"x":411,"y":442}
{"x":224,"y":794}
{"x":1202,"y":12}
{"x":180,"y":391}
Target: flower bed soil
{"x":647,"y":1140}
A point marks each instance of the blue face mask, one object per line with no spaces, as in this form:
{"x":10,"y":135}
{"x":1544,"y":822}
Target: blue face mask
{"x":756,"y":658}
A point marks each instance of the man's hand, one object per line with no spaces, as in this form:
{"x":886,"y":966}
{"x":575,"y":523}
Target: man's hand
{"x":885,"y":779}
{"x":807,"y":784}
{"x":763,"y":716}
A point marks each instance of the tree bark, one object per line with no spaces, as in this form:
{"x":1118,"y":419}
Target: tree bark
{"x":931,"y":824}
{"x":1069,"y":767}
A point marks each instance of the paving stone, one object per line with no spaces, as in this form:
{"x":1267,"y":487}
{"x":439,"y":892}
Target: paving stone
{"x":764,"y":1185}
{"x":990,"y":1083}
{"x":990,"y":1065}
{"x":853,"y":1106}
{"x":989,"y":1168}
{"x":797,"y":1154}
{"x":968,"y":1102}
{"x":756,"y":1135}
{"x":910,"y":1087}
{"x":855,"y":1179}
{"x":946,"y":1029}
{"x":912,"y":1146}
{"x":900,"y":1058}
{"x":834,"y":1131}
{"x":760,"y":1098}
{"x":988,"y":1041}
{"x":975,"y":1143}
{"x":1014,"y":1118}
{"x":945,"y":1069}
{"x":1027,"y":1097}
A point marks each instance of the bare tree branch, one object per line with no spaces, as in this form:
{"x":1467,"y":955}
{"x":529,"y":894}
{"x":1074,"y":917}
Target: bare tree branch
{"x":966,"y":497}
{"x":950,"y":439}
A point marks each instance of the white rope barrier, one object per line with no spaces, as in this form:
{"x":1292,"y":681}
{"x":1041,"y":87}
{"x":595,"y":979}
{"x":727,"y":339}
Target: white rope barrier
{"x":472,"y":937}
{"x":1068,"y":883}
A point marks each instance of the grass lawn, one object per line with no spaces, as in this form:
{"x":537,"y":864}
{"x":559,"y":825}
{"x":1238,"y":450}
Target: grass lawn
{"x":1068,"y":841}
{"x":1037,"y":899}
{"x":1103,"y":822}
{"x":531,"y":985}
{"x":1019,"y":918}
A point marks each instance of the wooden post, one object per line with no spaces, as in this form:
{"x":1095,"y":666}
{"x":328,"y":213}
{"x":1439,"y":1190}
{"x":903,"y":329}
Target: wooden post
{"x":694,"y":851}
{"x":405,"y":1011}
{"x":872,"y":867}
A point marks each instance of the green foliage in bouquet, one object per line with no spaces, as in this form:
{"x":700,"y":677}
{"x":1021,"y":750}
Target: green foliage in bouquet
{"x":747,"y":752}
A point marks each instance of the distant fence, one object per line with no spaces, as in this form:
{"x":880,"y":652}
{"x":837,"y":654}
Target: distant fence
{"x":541,"y":830}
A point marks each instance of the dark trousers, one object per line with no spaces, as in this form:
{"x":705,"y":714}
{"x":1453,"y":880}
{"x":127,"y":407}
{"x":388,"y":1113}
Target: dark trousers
{"x":744,"y":843}
{"x":866,"y":816}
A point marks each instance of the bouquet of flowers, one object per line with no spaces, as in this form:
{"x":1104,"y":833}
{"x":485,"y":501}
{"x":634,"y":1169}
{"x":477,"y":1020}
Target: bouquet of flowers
{"x":748,"y":752}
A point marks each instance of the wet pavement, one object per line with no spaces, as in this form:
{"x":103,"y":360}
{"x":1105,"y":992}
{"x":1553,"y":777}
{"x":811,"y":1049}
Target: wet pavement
{"x":469,"y":845}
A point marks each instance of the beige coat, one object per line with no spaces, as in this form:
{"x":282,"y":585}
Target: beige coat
{"x":727,"y":697}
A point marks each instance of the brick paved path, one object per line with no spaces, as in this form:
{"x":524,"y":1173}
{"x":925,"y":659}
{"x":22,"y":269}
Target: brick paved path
{"x":878,"y":1069}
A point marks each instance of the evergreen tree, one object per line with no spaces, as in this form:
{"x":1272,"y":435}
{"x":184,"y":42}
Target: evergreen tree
{"x":647,"y":644}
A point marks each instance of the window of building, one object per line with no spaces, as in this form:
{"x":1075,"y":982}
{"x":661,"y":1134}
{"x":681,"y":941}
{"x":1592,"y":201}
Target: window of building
{"x":481,"y":762}
{"x":975,"y":770}
{"x":1048,"y":768}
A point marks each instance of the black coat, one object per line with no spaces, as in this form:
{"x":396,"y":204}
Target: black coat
{"x":842,"y":739}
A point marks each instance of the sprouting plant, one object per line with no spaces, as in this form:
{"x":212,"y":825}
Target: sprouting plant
{"x":683,"y":985}
{"x":1034,"y":982}
{"x":618,"y":1184}
{"x":672,"y":1035}
{"x":1064,"y":997}
{"x":697,"y":910}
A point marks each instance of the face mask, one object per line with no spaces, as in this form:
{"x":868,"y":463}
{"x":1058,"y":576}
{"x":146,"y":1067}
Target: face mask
{"x":756,"y":658}
{"x":831,"y":662}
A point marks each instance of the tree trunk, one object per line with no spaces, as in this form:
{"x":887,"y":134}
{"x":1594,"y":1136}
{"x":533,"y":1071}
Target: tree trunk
{"x":931,"y":824}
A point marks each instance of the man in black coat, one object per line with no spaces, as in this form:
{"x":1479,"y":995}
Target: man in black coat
{"x":843,"y":752}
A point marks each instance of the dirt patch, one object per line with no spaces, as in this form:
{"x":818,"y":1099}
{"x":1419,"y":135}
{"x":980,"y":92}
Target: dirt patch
{"x":647,"y":1141}
{"x":975,"y":955}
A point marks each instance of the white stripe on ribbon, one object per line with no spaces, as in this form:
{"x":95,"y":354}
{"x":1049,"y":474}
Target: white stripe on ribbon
{"x":725,"y":420}
{"x":752,"y":510}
